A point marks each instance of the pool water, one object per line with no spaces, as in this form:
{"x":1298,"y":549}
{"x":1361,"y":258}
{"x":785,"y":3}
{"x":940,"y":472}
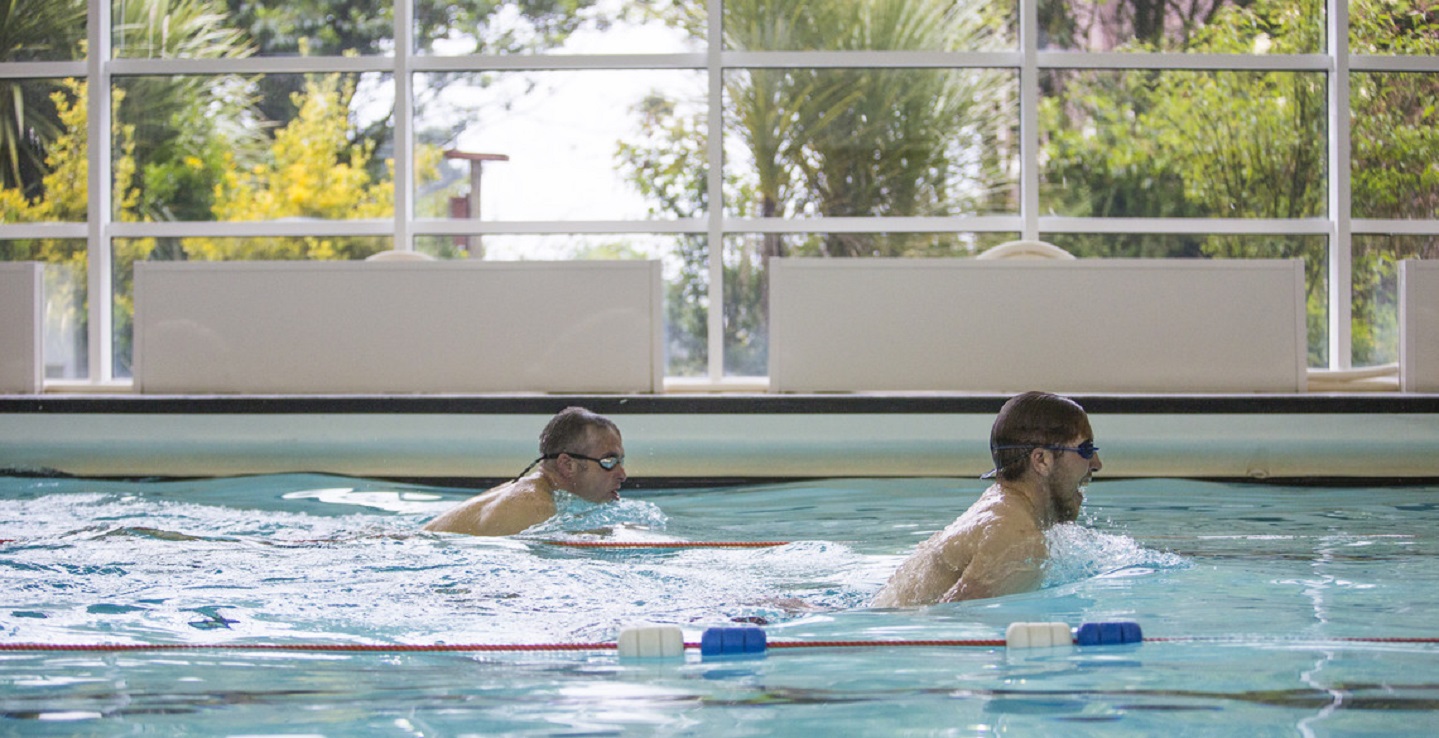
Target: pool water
{"x":1251,"y":596}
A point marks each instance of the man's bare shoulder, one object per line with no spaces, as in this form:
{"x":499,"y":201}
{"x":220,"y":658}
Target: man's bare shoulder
{"x":995,"y":519}
{"x":500,"y":511}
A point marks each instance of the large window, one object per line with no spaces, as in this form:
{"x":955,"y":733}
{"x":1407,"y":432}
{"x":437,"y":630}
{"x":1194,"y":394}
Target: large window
{"x":713,"y":135}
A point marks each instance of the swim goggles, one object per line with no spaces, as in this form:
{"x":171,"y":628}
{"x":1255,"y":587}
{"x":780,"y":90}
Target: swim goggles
{"x":1086,"y":451}
{"x":607,"y":463}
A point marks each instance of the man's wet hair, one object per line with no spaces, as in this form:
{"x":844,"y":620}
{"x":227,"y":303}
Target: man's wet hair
{"x":566,"y":432}
{"x":1029,"y":421}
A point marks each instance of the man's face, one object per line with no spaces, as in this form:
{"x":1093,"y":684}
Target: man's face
{"x":590,"y":481}
{"x":1072,"y":473}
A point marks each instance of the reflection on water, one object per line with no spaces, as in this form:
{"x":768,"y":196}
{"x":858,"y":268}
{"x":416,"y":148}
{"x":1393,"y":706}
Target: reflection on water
{"x":1271,"y":576}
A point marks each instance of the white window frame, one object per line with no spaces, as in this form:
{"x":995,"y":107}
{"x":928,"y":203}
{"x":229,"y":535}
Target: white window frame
{"x":1338,"y":225}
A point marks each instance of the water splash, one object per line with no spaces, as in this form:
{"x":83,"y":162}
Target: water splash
{"x":576,"y":515}
{"x":1077,"y":552}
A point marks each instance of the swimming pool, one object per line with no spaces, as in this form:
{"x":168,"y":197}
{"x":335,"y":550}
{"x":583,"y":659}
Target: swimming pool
{"x":1251,"y":597}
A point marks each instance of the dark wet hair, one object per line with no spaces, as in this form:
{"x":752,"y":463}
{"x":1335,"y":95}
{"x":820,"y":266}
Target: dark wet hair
{"x":1030,"y":421}
{"x":565,"y":433}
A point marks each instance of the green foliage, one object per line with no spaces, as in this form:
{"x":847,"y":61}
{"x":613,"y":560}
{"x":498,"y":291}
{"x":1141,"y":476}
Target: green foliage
{"x":366,"y":27}
{"x":313,"y":170}
{"x":1395,"y":162}
{"x":478,"y":28}
{"x":661,"y":164}
{"x":65,"y":184}
{"x":33,"y":30}
{"x":832,"y":142}
{"x":1252,"y":145}
{"x":182,"y":124}
{"x":1160,"y":25}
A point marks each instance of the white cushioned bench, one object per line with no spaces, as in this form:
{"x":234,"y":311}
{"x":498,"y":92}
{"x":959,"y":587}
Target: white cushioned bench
{"x":1419,"y":325}
{"x":398,"y":326}
{"x":22,"y":301}
{"x":1096,"y":325}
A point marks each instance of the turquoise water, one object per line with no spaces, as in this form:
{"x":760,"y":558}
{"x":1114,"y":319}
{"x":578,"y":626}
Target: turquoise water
{"x":1252,"y":586}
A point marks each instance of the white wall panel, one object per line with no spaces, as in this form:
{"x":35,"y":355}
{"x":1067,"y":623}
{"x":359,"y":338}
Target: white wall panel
{"x":21,"y":327}
{"x":381,"y":327}
{"x":1419,"y":325}
{"x":1111,"y":325}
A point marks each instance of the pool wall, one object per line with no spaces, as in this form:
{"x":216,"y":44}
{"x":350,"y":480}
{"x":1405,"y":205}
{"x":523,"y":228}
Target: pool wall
{"x":474,"y":440}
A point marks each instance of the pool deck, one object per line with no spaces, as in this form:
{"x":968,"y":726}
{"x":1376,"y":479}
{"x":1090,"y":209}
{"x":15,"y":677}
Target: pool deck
{"x":704,"y":439}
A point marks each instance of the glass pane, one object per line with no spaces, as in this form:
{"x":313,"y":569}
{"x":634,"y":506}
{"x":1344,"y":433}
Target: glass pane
{"x":43,"y":139}
{"x":1375,"y":318}
{"x":1397,"y":27}
{"x":42,"y":30}
{"x":684,"y":262}
{"x":449,"y":28}
{"x":67,"y":338}
{"x":746,"y":277}
{"x":1183,"y":144}
{"x":127,"y":251}
{"x":870,"y":142}
{"x":882,"y":25}
{"x":578,"y":145}
{"x":203,"y":148}
{"x":1200,"y":26}
{"x":215,"y":29}
{"x":1312,"y":249}
{"x":1395,"y":145}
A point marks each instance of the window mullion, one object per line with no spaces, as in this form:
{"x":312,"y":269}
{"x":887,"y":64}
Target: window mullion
{"x":714,"y":179}
{"x":1341,"y":256}
{"x":99,"y":264}
{"x":404,"y":167}
{"x":1029,"y":119}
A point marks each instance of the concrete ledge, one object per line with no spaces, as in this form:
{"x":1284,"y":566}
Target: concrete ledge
{"x":710,"y":438}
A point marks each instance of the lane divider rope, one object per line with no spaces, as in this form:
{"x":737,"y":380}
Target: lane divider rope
{"x":593,"y":544}
{"x":610,"y":646}
{"x":667,"y":544}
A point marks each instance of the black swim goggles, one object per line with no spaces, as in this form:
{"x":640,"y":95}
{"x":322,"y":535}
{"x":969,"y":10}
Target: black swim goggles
{"x":607,"y":463}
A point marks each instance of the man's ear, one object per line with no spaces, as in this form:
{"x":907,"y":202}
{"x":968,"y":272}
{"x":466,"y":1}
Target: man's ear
{"x":565,"y":467}
{"x":1041,"y":461}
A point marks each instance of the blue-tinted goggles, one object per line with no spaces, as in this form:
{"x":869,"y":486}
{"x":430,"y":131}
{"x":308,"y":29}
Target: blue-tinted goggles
{"x":607,"y":463}
{"x":1086,"y":450}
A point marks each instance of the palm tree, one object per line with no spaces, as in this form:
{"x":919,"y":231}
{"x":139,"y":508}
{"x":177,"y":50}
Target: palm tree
{"x":33,"y":30}
{"x":835,"y":142}
{"x":861,"y":142}
{"x":182,"y":118}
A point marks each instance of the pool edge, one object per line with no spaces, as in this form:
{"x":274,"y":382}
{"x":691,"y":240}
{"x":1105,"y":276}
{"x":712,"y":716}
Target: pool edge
{"x":710,"y":438}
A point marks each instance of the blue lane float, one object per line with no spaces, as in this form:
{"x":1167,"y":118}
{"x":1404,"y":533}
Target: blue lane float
{"x":715,"y":642}
{"x":1108,"y":634}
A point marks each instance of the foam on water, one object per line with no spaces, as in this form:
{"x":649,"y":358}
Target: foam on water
{"x":143,"y":567}
{"x":1077,"y":552}
{"x":308,"y":558}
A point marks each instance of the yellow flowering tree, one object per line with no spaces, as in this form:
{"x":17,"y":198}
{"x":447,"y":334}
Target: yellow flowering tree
{"x":66,"y":200}
{"x":313,"y":171}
